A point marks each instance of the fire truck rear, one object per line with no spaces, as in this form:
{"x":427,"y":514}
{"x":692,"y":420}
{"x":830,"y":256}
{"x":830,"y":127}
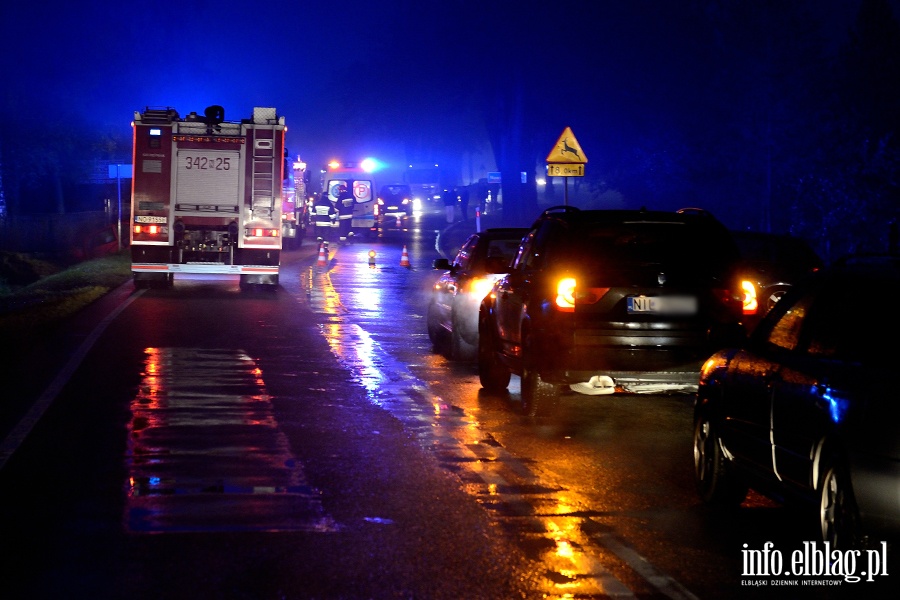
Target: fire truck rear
{"x":207,"y":195}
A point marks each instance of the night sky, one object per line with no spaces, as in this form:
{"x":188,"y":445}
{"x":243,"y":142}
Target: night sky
{"x":357,"y":77}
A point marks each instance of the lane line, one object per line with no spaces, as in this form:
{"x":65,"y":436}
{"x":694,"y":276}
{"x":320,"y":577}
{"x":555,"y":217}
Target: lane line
{"x":17,"y":436}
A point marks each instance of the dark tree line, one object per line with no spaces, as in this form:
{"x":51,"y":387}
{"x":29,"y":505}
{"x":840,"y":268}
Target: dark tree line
{"x":783,"y":128}
{"x":768,"y":113}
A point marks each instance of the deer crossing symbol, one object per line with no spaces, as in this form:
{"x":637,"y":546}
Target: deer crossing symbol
{"x":567,"y":148}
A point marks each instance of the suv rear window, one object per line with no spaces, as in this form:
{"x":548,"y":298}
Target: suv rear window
{"x":641,"y":244}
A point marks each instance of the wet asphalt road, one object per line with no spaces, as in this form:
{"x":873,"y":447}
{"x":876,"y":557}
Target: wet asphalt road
{"x":308,"y":444}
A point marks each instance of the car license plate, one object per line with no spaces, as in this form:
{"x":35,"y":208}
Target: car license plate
{"x":662,"y":305}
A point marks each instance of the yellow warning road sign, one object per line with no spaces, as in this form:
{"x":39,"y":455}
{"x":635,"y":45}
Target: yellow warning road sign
{"x":567,"y":150}
{"x":565,"y":170}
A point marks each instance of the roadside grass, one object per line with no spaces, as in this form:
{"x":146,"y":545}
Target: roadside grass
{"x":37,"y":293}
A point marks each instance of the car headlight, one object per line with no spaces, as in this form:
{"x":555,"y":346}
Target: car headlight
{"x":480,"y":286}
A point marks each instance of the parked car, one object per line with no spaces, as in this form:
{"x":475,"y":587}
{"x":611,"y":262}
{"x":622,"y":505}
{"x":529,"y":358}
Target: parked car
{"x":806,"y":409}
{"x":770,"y":264}
{"x":598,"y":296}
{"x":455,"y":297}
{"x":96,"y":243}
{"x":394,"y":206}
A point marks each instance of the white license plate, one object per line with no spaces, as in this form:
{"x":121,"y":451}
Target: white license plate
{"x":662,"y":305}
{"x":149,"y":219}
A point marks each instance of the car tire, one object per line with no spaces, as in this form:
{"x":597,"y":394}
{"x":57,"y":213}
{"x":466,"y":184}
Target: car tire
{"x":435,"y":331}
{"x":460,"y":349}
{"x":838,"y":515}
{"x":492,"y":373}
{"x":716,"y":481}
{"x":538,"y":396}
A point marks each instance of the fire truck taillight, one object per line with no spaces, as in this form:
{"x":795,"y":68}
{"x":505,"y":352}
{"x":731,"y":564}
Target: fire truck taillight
{"x":148,"y":229}
{"x":260,"y":232}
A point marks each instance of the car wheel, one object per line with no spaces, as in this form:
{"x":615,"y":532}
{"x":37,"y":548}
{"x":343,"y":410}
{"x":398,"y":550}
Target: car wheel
{"x":460,"y":349}
{"x":538,"y":396}
{"x":838,"y":517}
{"x":493,"y":374}
{"x":716,"y":481}
{"x":435,"y":331}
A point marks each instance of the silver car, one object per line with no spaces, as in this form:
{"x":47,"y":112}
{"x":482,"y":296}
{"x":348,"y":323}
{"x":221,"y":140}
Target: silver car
{"x":457,"y":294}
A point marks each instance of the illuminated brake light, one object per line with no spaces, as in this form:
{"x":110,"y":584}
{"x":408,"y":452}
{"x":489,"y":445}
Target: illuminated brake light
{"x":750,"y":299}
{"x":147,"y":229}
{"x":568,"y":294}
{"x":565,"y":294}
{"x":260,"y":232}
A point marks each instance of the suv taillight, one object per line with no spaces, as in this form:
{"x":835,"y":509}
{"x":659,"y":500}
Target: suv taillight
{"x":565,"y":294}
{"x":751,"y":300}
{"x":568,"y":294}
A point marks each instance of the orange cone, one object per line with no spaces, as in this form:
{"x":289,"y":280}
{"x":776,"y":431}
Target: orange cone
{"x":404,"y":258}
{"x":323,"y":260}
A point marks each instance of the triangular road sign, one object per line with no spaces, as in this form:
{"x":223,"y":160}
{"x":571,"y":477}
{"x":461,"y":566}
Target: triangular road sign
{"x":567,"y":150}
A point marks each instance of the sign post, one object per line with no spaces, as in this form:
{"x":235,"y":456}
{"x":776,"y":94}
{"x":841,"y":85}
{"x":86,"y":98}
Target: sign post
{"x":119,"y":171}
{"x":566,"y":159}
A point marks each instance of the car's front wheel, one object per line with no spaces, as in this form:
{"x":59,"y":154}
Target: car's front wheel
{"x":435,"y":331}
{"x":492,"y":373}
{"x":838,"y":517}
{"x":716,"y":481}
{"x":460,"y":349}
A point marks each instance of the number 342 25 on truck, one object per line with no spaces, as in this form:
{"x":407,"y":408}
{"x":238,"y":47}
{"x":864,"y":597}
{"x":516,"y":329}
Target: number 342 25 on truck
{"x":207,"y":195}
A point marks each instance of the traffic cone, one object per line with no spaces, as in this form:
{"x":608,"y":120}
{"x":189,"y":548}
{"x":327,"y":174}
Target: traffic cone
{"x":404,"y":258}
{"x":372,"y":258}
{"x":323,"y":260}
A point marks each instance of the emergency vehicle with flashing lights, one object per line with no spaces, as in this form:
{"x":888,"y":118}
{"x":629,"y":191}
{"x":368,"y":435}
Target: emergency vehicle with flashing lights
{"x":359,"y":179}
{"x":294,"y":203}
{"x":206,"y":195}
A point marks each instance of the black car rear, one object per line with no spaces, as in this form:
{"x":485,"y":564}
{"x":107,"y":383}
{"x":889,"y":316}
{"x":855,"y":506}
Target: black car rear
{"x":612,"y":293}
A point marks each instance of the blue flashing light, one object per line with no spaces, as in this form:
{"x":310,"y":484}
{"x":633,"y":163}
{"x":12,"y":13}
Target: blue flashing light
{"x":370,"y":165}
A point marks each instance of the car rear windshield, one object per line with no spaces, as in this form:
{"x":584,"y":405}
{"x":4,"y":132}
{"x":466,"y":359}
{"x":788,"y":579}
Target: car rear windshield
{"x":647,"y":244}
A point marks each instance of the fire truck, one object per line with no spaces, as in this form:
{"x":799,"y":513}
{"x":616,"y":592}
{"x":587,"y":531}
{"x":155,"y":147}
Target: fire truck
{"x":294,"y":203}
{"x":206,"y":195}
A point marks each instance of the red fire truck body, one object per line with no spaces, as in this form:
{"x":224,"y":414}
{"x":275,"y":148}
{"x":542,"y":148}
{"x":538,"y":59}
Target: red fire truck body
{"x":206,"y":195}
{"x":294,"y":203}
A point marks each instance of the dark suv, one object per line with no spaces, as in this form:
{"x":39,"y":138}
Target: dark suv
{"x":602,"y":299}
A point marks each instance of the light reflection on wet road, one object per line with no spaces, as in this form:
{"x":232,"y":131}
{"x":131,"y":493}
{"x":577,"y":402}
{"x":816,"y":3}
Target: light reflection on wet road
{"x":205,"y":452}
{"x":358,"y":303}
